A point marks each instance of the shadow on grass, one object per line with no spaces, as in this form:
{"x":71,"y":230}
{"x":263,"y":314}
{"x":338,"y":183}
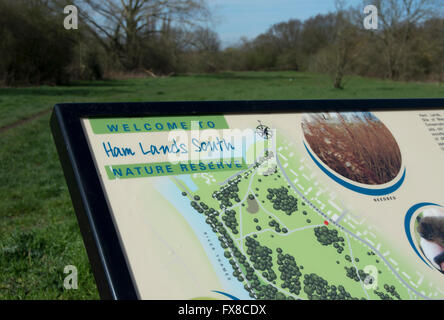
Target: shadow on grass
{"x":60,"y":91}
{"x":261,"y":76}
{"x":386,"y":88}
{"x":97,"y":83}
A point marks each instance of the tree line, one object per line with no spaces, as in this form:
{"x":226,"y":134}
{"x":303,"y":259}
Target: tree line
{"x":115,"y":37}
{"x":408,"y":44}
{"x":164,"y":37}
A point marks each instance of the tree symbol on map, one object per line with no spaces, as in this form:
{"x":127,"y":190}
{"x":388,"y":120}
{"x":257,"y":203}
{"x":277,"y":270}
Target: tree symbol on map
{"x":263,"y":131}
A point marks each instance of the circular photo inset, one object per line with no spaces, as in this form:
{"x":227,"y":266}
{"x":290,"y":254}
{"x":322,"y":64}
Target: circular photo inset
{"x":356,"y":145}
{"x":429,"y":233}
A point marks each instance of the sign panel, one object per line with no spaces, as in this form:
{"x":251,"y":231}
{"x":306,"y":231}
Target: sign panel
{"x":323,"y":205}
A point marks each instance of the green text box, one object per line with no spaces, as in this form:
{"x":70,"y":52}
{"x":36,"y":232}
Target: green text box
{"x":145,"y":170}
{"x":157,"y":124}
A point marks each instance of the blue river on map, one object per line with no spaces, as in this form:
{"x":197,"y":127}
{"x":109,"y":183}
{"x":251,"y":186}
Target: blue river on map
{"x":204,"y":233}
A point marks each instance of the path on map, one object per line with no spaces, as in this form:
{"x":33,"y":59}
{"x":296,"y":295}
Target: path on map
{"x":349,"y":232}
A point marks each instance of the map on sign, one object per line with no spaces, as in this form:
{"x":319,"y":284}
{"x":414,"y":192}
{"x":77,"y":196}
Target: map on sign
{"x":338,"y":205}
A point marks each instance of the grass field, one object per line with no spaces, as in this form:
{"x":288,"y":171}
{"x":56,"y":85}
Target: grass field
{"x":38,"y":229}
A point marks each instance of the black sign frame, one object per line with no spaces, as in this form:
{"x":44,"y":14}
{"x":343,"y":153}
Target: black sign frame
{"x":100,"y":236}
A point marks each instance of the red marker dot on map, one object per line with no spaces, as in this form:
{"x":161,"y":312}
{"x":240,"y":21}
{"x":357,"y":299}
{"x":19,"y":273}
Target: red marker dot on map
{"x":326,"y":222}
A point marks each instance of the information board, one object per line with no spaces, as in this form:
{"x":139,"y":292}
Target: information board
{"x":296,"y":204}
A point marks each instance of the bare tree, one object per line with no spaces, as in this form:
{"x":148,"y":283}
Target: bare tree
{"x":343,"y":47}
{"x":123,"y":25}
{"x":204,"y":40}
{"x":337,"y":56}
{"x":434,"y":43}
{"x":397,"y":19}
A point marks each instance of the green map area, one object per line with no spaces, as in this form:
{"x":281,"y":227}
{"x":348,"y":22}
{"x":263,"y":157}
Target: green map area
{"x":285,"y":238}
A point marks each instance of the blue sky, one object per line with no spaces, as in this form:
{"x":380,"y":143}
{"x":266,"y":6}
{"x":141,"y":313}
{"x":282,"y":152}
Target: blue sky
{"x":236,"y":18}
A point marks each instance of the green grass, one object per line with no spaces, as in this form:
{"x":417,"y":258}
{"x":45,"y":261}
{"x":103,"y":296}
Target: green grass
{"x":19,"y":103}
{"x":39,"y":235}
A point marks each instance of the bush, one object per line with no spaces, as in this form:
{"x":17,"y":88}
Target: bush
{"x":35,"y":48}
